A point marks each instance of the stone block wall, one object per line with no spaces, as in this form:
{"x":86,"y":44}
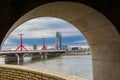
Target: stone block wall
{"x":13,"y":72}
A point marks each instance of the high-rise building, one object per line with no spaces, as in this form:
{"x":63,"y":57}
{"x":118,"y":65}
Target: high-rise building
{"x":59,"y":39}
{"x":34,"y":47}
{"x":65,"y":47}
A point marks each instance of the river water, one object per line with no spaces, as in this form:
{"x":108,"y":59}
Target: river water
{"x":79,"y":65}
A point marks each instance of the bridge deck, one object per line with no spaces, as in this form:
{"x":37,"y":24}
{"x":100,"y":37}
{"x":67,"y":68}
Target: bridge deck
{"x":31,"y":51}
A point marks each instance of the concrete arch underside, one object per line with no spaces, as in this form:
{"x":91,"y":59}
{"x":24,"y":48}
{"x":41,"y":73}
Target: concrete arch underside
{"x":100,"y":33}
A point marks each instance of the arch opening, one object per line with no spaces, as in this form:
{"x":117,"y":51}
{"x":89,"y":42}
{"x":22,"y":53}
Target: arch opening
{"x":46,"y":27}
{"x":98,"y":30}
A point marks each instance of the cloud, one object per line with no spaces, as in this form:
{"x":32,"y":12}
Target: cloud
{"x":44,"y":27}
{"x":81,"y":41}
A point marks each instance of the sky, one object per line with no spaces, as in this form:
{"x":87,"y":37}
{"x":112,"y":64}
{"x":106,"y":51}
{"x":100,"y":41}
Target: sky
{"x":44,"y":27}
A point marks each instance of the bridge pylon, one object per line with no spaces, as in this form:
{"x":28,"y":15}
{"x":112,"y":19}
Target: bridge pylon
{"x":44,"y":46}
{"x":21,"y":47}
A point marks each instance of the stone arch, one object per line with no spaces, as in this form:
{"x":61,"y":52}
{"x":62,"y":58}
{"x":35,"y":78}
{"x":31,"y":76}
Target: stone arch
{"x":98,"y":30}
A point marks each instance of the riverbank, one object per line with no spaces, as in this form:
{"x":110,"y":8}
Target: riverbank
{"x":77,"y":54}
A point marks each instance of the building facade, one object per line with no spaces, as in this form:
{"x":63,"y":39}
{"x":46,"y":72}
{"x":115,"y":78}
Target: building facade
{"x":59,"y":40}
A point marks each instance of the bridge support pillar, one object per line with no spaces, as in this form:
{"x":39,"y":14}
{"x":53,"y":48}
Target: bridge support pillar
{"x":10,"y":58}
{"x":35,"y":56}
{"x":20,"y":57}
{"x":44,"y":55}
{"x":57,"y":54}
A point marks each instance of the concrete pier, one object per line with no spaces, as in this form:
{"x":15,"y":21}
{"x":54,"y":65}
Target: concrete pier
{"x":21,"y":57}
{"x":10,"y":58}
{"x":44,"y":55}
{"x":35,"y":56}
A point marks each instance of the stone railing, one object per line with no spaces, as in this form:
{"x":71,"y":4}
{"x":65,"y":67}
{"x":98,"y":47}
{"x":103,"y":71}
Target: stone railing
{"x":15,"y":72}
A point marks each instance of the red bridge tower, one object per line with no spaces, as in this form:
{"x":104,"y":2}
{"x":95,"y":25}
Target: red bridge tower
{"x":21,"y":47}
{"x":44,"y":46}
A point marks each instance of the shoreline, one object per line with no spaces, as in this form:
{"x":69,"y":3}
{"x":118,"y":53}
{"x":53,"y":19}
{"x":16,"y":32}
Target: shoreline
{"x":67,"y":54}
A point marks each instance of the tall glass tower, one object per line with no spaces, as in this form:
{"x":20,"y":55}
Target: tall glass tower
{"x":59,"y":39}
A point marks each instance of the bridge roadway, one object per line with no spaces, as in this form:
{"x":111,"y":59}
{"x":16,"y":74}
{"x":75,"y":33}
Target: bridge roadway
{"x":18,"y":56}
{"x":31,"y":51}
